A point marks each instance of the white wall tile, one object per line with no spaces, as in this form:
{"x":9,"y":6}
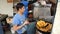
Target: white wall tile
{"x":56,"y":26}
{"x":6,"y":8}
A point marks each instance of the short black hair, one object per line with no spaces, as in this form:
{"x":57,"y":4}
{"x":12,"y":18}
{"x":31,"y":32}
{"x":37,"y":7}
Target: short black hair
{"x":19,"y":6}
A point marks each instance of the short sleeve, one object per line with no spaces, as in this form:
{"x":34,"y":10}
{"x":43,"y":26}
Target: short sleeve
{"x":16,"y":21}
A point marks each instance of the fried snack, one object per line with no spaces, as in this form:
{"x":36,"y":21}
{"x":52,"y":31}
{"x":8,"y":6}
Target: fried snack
{"x":41,"y":24}
{"x":46,"y":29}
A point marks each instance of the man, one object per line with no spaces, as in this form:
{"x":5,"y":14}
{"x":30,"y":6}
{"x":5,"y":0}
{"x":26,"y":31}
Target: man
{"x":19,"y":22}
{"x":26,"y":7}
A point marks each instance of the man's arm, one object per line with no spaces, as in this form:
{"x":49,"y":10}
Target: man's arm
{"x":15,"y":27}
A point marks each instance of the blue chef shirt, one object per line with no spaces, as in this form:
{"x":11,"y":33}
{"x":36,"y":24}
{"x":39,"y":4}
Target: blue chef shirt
{"x":19,"y":20}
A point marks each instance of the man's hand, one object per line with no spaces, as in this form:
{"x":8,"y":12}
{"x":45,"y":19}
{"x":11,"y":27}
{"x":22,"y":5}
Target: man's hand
{"x":26,"y":22}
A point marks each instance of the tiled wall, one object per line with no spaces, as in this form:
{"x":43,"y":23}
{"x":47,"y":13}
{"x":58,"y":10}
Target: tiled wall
{"x":56,"y":26}
{"x":6,"y":8}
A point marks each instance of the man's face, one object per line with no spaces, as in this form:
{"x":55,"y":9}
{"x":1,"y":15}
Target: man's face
{"x":22,"y":9}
